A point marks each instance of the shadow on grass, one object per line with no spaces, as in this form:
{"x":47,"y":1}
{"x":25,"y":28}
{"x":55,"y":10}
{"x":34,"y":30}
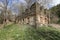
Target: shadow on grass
{"x":8,"y":26}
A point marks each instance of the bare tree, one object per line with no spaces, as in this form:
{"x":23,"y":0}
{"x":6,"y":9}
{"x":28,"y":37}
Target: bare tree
{"x":1,"y":12}
{"x":21,"y":8}
{"x":5,"y":3}
{"x":45,"y":3}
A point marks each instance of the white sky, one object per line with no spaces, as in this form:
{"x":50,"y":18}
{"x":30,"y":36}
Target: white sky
{"x":55,"y":2}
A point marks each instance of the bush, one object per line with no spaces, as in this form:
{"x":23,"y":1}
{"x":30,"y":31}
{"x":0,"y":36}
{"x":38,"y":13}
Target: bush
{"x":58,"y":21}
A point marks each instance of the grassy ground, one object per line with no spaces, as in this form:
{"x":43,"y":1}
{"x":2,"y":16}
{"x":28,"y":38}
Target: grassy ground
{"x":26,"y":32}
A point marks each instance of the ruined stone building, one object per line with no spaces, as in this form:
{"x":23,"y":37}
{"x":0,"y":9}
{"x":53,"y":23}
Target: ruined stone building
{"x":35,"y":14}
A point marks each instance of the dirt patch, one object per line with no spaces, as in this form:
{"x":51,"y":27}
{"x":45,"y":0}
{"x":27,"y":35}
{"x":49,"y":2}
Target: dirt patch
{"x":55,"y":25}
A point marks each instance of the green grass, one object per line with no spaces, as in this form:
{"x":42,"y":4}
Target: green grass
{"x":26,"y":32}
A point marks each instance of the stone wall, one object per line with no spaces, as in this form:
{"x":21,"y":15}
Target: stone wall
{"x":39,"y":15}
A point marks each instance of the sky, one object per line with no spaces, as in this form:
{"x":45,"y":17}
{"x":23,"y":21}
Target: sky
{"x":55,"y":2}
{"x":10,"y":2}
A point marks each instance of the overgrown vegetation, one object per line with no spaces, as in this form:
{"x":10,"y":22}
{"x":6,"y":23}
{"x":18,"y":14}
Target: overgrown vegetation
{"x":26,"y":32}
{"x":55,"y":13}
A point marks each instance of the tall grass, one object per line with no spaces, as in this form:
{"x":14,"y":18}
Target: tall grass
{"x":26,"y":32}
